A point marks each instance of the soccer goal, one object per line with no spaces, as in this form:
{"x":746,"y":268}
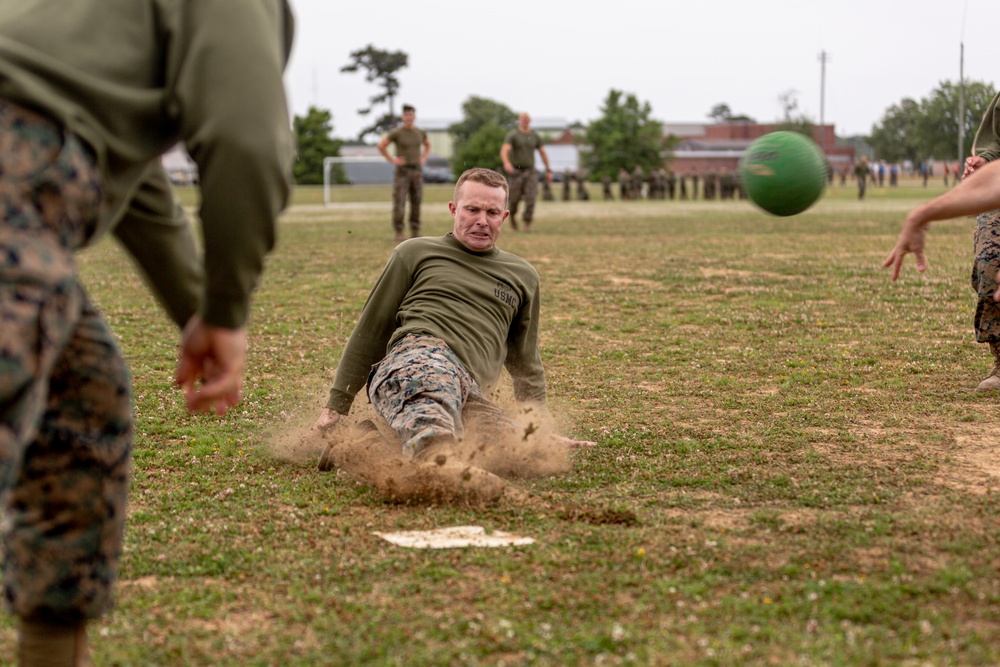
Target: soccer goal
{"x":360,"y":170}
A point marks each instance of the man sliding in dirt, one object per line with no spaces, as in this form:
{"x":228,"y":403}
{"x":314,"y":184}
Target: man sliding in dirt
{"x":442,"y":321}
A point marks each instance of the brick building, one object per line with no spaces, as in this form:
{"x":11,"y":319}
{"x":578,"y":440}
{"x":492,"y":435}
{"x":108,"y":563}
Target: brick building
{"x":716,"y":147}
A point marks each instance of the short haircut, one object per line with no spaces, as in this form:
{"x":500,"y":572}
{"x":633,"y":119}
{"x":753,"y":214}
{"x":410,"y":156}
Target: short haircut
{"x":407,"y":107}
{"x":485,"y":176}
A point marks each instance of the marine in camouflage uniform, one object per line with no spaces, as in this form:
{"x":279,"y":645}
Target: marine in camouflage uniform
{"x":442,"y":322}
{"x":985,"y":267}
{"x":638,"y":180}
{"x":606,"y":188}
{"x":83,"y":122}
{"x":66,"y":436}
{"x":624,"y":184}
{"x":518,"y":156}
{"x":412,"y":149}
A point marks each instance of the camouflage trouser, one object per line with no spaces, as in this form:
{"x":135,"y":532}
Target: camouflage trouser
{"x":984,"y":277}
{"x":65,"y":415}
{"x":407,"y":183}
{"x":426,"y":395}
{"x":523,"y":184}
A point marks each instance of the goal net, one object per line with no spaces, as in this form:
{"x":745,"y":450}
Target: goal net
{"x":360,"y":170}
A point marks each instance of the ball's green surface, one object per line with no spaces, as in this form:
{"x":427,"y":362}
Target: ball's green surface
{"x":784,"y":173}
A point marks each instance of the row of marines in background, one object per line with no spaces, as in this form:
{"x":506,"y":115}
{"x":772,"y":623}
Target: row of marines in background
{"x":658,"y":184}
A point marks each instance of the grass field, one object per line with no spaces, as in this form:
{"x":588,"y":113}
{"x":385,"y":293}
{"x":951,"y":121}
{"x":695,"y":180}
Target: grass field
{"x":793,"y":467}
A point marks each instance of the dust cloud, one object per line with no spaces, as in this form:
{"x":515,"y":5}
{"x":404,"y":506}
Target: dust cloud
{"x":473,"y":471}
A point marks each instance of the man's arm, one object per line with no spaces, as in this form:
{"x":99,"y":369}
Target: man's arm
{"x":524,"y":361}
{"x":426,"y":150}
{"x":371,"y":334}
{"x":158,"y":236}
{"x":505,"y":158}
{"x":978,"y":193}
{"x":383,"y":148}
{"x":545,"y":160}
{"x":234,"y":116}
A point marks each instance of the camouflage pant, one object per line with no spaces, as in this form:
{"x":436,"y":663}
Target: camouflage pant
{"x":65,"y":416}
{"x":523,"y":184}
{"x":426,"y":395}
{"x":984,"y":277}
{"x":407,"y":183}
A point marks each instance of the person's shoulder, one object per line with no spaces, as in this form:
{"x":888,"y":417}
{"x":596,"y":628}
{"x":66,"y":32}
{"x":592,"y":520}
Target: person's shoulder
{"x":516,"y":261}
{"x":420,"y":245}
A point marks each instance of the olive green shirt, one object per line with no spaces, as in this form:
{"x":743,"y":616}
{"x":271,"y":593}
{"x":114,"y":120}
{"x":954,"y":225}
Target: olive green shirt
{"x":987,"y":142}
{"x":522,"y":148}
{"x":485,"y":306}
{"x":132,"y":78}
{"x":409,"y":143}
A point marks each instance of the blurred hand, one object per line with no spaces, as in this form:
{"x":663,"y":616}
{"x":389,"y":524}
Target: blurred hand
{"x":327,"y":420}
{"x":210,"y":366}
{"x":911,"y":240}
{"x":971,"y":164}
{"x":569,"y":442}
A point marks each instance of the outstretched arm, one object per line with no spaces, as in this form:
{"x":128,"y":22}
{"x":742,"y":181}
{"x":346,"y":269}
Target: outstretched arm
{"x":979,"y":192}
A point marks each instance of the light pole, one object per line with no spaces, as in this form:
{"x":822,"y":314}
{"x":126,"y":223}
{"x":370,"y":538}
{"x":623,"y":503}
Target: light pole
{"x":823,"y":57}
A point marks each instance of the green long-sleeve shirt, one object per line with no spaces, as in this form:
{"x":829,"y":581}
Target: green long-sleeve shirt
{"x":987,"y":142}
{"x":485,"y":306}
{"x":132,"y":78}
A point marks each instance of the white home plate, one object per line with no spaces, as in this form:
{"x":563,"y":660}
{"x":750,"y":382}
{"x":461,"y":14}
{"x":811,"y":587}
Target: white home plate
{"x":454,"y":537}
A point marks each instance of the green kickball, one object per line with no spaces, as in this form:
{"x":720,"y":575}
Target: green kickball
{"x":784,"y":173}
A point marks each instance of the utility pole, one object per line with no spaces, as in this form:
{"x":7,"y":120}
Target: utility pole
{"x":961,"y":103}
{"x":823,"y":57}
{"x":961,"y":88}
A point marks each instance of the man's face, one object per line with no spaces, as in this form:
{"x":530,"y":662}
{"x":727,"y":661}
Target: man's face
{"x":524,"y":122}
{"x":479,"y":212}
{"x":409,"y":117}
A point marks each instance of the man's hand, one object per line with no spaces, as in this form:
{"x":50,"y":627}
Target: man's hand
{"x":210,"y":366}
{"x":574,"y":444}
{"x":327,"y":420}
{"x":911,"y":239}
{"x":971,"y":164}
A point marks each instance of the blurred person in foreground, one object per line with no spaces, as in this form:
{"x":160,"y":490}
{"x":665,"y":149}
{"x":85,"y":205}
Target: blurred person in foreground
{"x":444,"y":319}
{"x":979,"y":191}
{"x":986,"y":249}
{"x":92,"y":93}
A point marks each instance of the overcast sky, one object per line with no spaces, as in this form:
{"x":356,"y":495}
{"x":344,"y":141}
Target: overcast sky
{"x":560,"y":59}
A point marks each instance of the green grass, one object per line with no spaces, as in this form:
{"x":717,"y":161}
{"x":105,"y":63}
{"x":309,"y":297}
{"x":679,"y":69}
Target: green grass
{"x":813,"y":478}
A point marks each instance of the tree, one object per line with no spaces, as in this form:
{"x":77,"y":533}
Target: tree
{"x":479,"y":136}
{"x":625,"y":136}
{"x":381,"y":67}
{"x":313,"y":133}
{"x":721,"y":113}
{"x":791,"y":121}
{"x":912,"y":130}
{"x":940,"y":121}
{"x":898,"y":138}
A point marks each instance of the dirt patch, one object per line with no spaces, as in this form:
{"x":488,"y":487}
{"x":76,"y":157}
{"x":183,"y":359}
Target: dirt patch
{"x":974,"y":465}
